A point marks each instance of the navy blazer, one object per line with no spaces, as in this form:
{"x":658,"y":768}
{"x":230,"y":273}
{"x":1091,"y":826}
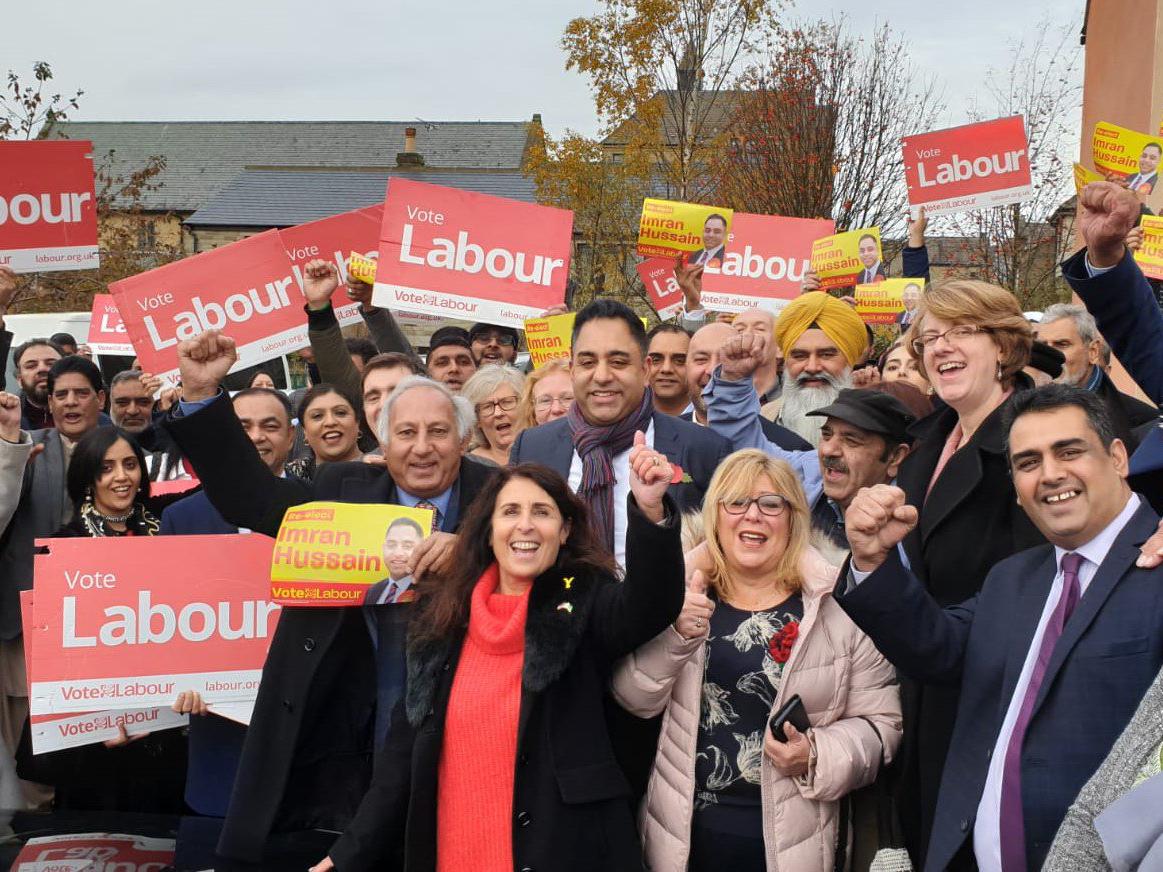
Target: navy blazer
{"x":195,"y":516}
{"x":1107,"y":657}
{"x":1128,"y":317}
{"x":698,"y":450}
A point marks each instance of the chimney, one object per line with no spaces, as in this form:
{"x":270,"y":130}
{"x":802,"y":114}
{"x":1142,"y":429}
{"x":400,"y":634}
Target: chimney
{"x":409,"y":157}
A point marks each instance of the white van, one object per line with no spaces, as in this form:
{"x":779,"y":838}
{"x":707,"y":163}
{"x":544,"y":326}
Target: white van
{"x":42,"y":325}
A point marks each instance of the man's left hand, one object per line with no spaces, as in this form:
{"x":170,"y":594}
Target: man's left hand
{"x":650,"y":476}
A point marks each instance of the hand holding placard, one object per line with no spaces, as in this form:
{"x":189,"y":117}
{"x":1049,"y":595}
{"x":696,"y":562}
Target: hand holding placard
{"x":204,"y":362}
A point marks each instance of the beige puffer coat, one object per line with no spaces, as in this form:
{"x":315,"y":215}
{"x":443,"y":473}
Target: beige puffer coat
{"x":853,"y":701}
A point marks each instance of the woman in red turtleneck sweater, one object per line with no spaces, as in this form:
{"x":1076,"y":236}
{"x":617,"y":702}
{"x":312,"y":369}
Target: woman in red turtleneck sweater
{"x":498,"y":758}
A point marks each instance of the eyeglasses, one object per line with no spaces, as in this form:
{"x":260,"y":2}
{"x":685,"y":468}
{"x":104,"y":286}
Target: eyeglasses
{"x":769,"y":504}
{"x":954,"y":336}
{"x":506,"y":339}
{"x":547,"y":401}
{"x":489,"y":407}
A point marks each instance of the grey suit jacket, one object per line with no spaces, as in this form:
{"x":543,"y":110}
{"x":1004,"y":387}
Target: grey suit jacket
{"x":13,"y":457}
{"x":43,"y":508}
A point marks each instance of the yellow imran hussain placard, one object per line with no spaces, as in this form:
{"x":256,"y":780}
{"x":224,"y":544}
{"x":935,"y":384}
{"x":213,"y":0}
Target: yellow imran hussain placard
{"x":882,"y":302}
{"x":836,"y":259}
{"x":1150,"y":256}
{"x":331,"y":554}
{"x":668,"y":228}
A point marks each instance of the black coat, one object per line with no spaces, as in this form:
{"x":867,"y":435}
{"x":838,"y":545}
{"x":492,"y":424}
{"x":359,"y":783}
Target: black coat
{"x":969,"y":522}
{"x":308,"y":752}
{"x":1126,"y":413}
{"x":571,"y":802}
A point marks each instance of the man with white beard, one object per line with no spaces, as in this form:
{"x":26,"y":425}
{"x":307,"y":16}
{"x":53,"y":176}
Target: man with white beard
{"x":821,"y":338}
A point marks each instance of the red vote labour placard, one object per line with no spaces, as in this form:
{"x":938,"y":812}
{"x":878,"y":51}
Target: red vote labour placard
{"x":662,"y":287}
{"x":975,"y":166}
{"x":333,"y":239}
{"x":48,"y":213}
{"x":470,"y":256}
{"x":246,"y":289}
{"x":95,"y":852}
{"x":130,"y":623}
{"x":107,"y":334}
{"x":765,"y":261}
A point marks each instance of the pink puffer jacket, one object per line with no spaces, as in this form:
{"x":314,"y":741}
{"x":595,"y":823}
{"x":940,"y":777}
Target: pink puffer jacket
{"x":853,"y":701}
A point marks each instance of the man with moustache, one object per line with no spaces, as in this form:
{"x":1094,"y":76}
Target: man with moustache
{"x":666,"y":364}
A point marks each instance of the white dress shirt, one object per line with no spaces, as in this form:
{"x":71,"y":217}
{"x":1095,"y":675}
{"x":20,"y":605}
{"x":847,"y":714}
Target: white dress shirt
{"x":987,"y":828}
{"x":621,"y":493}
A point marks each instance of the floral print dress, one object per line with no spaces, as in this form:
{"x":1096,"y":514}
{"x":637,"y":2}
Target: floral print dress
{"x":746,"y":653}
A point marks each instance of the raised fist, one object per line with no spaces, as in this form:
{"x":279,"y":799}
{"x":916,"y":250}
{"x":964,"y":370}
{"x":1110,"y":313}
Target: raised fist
{"x":650,"y":476}
{"x":1108,"y":214}
{"x":204,"y":362}
{"x":741,"y":355}
{"x":320,"y":279}
{"x":9,"y":417}
{"x":876,"y":521}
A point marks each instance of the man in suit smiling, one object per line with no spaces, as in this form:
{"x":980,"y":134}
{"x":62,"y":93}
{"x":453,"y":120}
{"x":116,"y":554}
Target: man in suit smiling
{"x":1052,"y":656}
{"x":590,"y":446}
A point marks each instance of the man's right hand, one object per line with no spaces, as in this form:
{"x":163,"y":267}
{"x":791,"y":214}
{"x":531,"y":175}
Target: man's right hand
{"x":917,"y":228}
{"x":204,"y":362}
{"x":1108,"y":214}
{"x":876,"y":521}
{"x":741,"y":355}
{"x":810,"y":283}
{"x":359,"y":292}
{"x":320,"y":279}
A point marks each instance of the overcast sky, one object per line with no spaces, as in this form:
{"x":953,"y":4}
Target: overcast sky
{"x":444,"y":60}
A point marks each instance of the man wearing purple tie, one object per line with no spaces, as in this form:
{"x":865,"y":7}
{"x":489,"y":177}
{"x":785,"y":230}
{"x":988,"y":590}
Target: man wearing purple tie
{"x":1052,"y":656}
{"x":400,"y":540}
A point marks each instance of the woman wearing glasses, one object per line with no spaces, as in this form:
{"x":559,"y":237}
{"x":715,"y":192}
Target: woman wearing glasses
{"x":725,"y":792}
{"x":548,"y":394}
{"x":970,"y":340}
{"x":494,"y":391}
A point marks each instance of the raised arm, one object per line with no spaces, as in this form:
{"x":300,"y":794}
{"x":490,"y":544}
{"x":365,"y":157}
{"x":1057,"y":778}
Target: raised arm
{"x":15,"y":447}
{"x":915,"y":255}
{"x":887,"y":601}
{"x":733,"y":410}
{"x":210,"y":435}
{"x":650,"y":597}
{"x":1113,"y":288}
{"x":320,"y":279}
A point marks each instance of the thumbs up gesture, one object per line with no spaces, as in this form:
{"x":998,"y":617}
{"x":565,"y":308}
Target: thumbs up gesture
{"x":650,"y":476}
{"x":695,"y":618}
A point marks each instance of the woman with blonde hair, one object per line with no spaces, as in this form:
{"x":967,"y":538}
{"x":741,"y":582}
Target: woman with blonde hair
{"x":548,"y":394}
{"x":729,"y":790}
{"x":494,"y":392}
{"x":970,"y":341}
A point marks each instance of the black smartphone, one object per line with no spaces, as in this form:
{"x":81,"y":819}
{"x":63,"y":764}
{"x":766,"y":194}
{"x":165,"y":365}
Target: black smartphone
{"x":793,"y":712}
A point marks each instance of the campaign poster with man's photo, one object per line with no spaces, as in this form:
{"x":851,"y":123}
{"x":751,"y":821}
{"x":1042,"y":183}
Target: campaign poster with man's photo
{"x":671,"y":229}
{"x":1130,"y":156}
{"x":347,"y":554}
{"x":845,"y":260}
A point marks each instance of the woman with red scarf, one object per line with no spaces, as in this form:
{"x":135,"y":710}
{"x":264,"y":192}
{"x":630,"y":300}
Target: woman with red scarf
{"x":499,"y":757}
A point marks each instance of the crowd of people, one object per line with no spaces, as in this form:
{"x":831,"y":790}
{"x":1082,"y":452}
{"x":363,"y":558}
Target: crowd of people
{"x":738,"y":592}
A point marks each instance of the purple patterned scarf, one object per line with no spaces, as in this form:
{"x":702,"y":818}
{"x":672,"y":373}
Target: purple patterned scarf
{"x":596,"y":446}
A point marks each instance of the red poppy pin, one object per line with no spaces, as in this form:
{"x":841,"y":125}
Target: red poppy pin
{"x":677,"y":476}
{"x":781,"y":643}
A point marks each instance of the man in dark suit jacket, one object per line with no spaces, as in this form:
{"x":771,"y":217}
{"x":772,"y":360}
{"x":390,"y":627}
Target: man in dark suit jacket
{"x":327,"y":679}
{"x":611,"y":400}
{"x":1052,"y":656}
{"x":714,"y":241}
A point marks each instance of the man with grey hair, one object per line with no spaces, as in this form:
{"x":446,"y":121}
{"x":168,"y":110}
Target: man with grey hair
{"x":1072,"y":330}
{"x":333,"y":674}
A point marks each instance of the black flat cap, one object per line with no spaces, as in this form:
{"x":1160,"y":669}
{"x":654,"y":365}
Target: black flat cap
{"x":449,"y":336}
{"x":871,"y":410}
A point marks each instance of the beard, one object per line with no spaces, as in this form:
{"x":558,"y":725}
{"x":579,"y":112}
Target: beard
{"x":799,"y":400}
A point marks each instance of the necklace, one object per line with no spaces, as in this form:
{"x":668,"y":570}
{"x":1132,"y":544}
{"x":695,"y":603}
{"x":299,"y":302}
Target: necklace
{"x":114,"y":519}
